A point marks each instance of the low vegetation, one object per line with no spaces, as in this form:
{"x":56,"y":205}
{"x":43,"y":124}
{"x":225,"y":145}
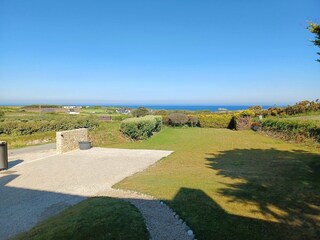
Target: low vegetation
{"x":107,"y":134}
{"x":296,"y":130}
{"x":29,"y":140}
{"x":215,"y":120}
{"x":140,"y":112}
{"x":234,"y":184}
{"x":303,"y":107}
{"x":96,"y":218}
{"x":235,"y":120}
{"x":142,"y":127}
{"x":30,"y":126}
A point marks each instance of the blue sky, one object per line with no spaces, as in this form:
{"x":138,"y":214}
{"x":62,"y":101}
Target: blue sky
{"x":158,"y":52}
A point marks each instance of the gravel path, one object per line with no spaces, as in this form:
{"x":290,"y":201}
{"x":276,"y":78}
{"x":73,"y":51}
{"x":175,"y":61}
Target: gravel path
{"x":41,"y":183}
{"x":161,"y":221}
{"x":36,"y":187}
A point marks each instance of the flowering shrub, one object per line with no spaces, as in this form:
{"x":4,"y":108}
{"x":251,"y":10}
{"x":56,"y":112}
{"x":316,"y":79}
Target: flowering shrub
{"x":214,"y":120}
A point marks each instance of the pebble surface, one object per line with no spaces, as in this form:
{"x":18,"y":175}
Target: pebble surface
{"x":161,"y":221}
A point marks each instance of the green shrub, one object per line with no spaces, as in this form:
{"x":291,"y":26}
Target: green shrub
{"x":158,"y":123}
{"x":214,"y":120}
{"x":292,"y":130}
{"x":140,"y":112}
{"x":142,"y":127}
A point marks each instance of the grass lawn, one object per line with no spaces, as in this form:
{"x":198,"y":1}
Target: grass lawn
{"x":95,"y":218}
{"x":306,"y":118}
{"x":107,"y":134}
{"x":234,"y":184}
{"x":29,"y":140}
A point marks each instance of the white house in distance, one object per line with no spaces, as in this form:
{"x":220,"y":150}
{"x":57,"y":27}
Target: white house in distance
{"x":123,"y":111}
{"x":73,"y":111}
{"x":72,"y":107}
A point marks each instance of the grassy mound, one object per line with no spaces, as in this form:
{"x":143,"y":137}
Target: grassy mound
{"x":95,"y":218}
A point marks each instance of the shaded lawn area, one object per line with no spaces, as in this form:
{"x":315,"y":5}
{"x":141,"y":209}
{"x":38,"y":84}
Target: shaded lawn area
{"x":234,"y":184}
{"x":96,"y":218}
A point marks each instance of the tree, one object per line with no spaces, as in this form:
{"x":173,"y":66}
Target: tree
{"x":315,"y":29}
{"x":140,"y":112}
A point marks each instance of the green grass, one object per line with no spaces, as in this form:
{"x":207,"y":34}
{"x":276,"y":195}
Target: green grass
{"x":107,"y":134}
{"x":234,"y":184}
{"x":95,"y":218}
{"x":305,"y":118}
{"x":29,"y":140}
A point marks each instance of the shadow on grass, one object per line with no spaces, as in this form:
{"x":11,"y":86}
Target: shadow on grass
{"x":95,"y":218}
{"x":284,"y":185}
{"x":211,"y":221}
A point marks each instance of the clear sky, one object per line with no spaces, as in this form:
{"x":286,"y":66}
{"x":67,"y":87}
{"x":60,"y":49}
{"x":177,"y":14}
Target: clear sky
{"x":158,"y":52}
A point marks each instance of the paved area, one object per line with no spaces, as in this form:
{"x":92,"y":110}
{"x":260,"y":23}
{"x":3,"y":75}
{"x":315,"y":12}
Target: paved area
{"x":32,"y":149}
{"x":41,"y":183}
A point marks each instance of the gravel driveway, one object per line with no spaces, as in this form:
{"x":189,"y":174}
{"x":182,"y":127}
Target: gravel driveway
{"x":36,"y":187}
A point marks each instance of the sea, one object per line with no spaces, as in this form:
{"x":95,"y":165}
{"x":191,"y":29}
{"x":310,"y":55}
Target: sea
{"x":190,"y":107}
{"x":212,"y":108}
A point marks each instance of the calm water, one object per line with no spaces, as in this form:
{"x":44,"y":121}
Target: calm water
{"x":192,"y":108}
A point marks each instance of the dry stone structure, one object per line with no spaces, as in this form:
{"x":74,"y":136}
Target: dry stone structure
{"x":69,"y":140}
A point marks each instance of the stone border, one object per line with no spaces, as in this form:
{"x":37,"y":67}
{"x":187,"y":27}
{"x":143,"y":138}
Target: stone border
{"x":161,"y":221}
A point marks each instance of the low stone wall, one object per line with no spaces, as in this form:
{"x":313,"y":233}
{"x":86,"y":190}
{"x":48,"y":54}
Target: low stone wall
{"x":69,"y":140}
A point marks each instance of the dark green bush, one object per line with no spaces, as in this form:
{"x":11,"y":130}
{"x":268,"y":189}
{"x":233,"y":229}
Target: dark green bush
{"x":140,"y":112}
{"x":142,"y":127}
{"x":291,"y":129}
{"x":158,"y":123}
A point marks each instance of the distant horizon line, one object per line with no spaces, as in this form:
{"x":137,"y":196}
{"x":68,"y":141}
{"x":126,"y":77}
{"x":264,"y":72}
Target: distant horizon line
{"x":141,"y":105}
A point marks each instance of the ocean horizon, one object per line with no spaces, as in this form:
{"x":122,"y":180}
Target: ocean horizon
{"x":212,"y":108}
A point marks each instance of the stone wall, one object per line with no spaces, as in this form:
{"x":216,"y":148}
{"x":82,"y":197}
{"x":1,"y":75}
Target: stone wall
{"x":69,"y":140}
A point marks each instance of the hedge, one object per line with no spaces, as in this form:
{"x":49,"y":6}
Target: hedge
{"x":292,"y":129}
{"x":214,"y":120}
{"x":223,"y":120}
{"x":27,"y":127}
{"x":142,"y":127}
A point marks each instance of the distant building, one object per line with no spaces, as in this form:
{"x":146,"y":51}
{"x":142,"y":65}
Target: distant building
{"x":73,"y":111}
{"x":223,"y":110}
{"x":72,"y":107}
{"x":123,"y":111}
